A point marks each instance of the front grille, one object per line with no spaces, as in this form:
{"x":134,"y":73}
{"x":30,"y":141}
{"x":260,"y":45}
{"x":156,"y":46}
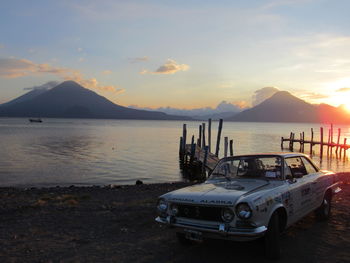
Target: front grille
{"x":199,"y":212}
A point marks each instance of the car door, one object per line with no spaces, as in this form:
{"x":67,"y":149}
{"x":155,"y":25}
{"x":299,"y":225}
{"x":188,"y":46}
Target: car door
{"x":317,"y":186}
{"x":299,"y":188}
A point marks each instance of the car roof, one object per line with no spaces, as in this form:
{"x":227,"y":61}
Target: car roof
{"x":280,"y":154}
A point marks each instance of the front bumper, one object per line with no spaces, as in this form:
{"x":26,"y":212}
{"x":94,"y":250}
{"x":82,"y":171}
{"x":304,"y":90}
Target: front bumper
{"x":213,"y":229}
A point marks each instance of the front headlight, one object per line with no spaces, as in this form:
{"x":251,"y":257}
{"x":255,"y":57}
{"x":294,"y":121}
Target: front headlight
{"x":243,"y":211}
{"x":227,"y":215}
{"x":162,"y":206}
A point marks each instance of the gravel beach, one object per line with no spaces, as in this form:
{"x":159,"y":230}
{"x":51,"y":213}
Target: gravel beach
{"x":116,"y":224}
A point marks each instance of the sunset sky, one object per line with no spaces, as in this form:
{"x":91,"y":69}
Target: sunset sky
{"x":183,"y":54}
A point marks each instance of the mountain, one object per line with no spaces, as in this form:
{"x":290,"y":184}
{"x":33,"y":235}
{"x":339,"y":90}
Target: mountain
{"x":70,"y":100}
{"x":284,"y":107}
{"x":221,"y":111}
{"x":29,"y":95}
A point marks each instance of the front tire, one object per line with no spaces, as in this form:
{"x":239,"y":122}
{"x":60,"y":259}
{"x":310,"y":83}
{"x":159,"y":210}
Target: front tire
{"x":272,"y":238}
{"x":324,"y":211}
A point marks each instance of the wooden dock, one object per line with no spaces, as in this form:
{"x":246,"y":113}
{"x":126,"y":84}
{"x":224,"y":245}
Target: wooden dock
{"x":330,"y":144}
{"x":197,"y":154}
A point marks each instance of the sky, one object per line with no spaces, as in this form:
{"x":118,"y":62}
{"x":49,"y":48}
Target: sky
{"x":180,"y":54}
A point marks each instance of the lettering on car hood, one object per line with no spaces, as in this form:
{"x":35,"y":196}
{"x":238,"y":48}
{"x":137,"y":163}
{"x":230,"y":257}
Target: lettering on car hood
{"x":216,"y":193}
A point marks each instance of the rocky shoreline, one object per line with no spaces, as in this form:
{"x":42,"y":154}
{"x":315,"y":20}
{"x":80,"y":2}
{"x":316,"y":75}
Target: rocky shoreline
{"x":116,"y":224}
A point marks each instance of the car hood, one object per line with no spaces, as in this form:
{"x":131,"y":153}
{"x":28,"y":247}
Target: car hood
{"x":216,"y":193}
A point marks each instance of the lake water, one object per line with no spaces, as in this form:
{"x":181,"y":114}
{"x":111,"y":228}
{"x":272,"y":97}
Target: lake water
{"x":100,"y":152}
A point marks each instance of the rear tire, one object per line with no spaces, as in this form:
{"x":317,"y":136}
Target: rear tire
{"x":272,"y":238}
{"x":323,"y":213}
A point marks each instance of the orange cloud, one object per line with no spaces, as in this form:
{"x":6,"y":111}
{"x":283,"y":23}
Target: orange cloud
{"x":170,"y":67}
{"x":343,"y":90}
{"x":93,"y":84}
{"x":15,"y":68}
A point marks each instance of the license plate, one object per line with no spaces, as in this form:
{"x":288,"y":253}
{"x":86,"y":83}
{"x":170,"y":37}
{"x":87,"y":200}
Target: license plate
{"x":193,"y":235}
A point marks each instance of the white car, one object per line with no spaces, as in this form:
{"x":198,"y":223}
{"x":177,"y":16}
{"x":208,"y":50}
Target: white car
{"x":248,"y":197}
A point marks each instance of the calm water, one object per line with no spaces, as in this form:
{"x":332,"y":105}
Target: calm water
{"x":100,"y":152}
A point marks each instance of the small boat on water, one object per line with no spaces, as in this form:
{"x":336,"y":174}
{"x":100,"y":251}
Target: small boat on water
{"x":36,"y":120}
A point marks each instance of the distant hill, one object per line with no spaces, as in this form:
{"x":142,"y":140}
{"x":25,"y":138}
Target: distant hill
{"x":284,"y":107}
{"x":71,"y":100}
{"x":29,"y":95}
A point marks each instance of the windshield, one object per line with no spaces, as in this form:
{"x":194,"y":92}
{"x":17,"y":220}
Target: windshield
{"x":265,"y":167}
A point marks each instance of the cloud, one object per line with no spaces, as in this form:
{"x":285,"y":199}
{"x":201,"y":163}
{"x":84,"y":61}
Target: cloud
{"x":139,"y":59}
{"x":313,"y":96}
{"x":170,"y":67}
{"x":46,"y":86}
{"x":262,"y":94}
{"x":92,"y":83}
{"x":15,"y":68}
{"x":343,"y":90}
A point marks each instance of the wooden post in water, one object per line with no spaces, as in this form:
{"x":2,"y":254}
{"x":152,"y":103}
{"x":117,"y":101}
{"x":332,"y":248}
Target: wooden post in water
{"x":200,"y":137}
{"x":203,"y":132}
{"x":338,"y":141}
{"x":303,"y":140}
{"x":218,"y":138}
{"x":291,"y":142}
{"x":331,"y":135}
{"x":209,"y":134}
{"x":345,"y":147}
{"x":180,"y":146}
{"x":204,"y":164}
{"x":329,"y":139}
{"x":312,"y":140}
{"x":193,"y":150}
{"x":300,"y":142}
{"x":321,"y":142}
{"x":231,"y":147}
{"x":184,"y":135}
{"x":282,"y":140}
{"x":226,"y":147}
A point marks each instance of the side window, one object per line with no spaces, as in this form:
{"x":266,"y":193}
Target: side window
{"x":287,"y":171}
{"x":296,"y":166}
{"x":309,"y":166}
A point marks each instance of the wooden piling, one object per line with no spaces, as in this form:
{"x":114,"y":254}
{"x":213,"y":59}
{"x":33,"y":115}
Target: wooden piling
{"x":311,"y":140}
{"x":225,"y":146}
{"x":181,"y":147}
{"x":206,"y":148}
{"x":329,"y":140}
{"x":218,"y":138}
{"x":338,"y":141}
{"x":184,"y":135}
{"x":231,"y":147}
{"x":203,"y":132}
{"x":282,"y":140}
{"x":290,"y":140}
{"x":321,"y":142}
{"x":345,"y":148}
{"x":303,"y":133}
{"x":209,"y":135}
{"x":200,"y":136}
